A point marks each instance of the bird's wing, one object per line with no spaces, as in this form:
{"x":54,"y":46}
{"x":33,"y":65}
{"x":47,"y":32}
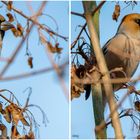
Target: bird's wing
{"x":113,"y":51}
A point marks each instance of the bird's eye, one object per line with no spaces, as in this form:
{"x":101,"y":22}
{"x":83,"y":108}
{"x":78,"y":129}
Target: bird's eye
{"x":137,"y":21}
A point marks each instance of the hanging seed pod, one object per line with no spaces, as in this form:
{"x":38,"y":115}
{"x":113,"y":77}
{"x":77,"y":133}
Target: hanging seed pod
{"x":10,"y":16}
{"x":137,"y":105}
{"x":30,"y":62}
{"x":116,"y":12}
{"x":9,"y":5}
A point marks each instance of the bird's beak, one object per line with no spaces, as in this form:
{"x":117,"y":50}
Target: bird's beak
{"x":6,"y":26}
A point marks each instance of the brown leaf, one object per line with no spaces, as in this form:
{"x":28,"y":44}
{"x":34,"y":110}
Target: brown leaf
{"x":14,"y":31}
{"x":1,"y":107}
{"x":76,"y":89}
{"x":14,"y":133}
{"x":131,"y":88}
{"x":53,"y":49}
{"x":116,"y":12}
{"x":10,"y":16}
{"x":19,"y":29}
{"x":3,"y":130}
{"x":30,"y":135}
{"x":58,"y":49}
{"x":9,"y":5}
{"x":81,"y":71}
{"x":137,"y":106}
{"x":16,"y":114}
{"x":7,"y":114}
{"x":30,"y":62}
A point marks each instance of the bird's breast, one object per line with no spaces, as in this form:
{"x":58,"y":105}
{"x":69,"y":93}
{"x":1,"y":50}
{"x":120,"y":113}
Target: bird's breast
{"x":132,"y":53}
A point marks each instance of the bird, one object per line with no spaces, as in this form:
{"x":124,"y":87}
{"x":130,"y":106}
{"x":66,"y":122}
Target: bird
{"x":4,"y":26}
{"x":122,"y":50}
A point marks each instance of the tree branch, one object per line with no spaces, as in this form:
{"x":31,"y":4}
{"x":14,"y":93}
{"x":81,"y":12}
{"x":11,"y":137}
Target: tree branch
{"x":103,"y":68}
{"x":33,"y":73}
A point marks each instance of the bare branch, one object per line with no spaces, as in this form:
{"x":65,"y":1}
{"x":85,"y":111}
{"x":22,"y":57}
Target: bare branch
{"x":33,"y":73}
{"x":84,"y":26}
{"x":77,"y":14}
{"x":103,"y":68}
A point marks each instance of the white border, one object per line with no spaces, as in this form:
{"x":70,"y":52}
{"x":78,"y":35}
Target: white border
{"x":69,"y":69}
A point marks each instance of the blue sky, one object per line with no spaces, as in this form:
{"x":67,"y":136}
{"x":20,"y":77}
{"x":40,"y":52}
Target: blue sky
{"x":81,"y":114}
{"x":46,"y":90}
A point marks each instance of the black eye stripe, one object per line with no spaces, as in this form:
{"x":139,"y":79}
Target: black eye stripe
{"x":137,"y":21}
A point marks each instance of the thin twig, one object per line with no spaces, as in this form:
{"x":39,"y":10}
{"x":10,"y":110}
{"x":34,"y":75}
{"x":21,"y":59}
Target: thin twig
{"x":77,"y":14}
{"x":84,"y":26}
{"x":98,"y":7}
{"x":87,"y":80}
{"x":33,"y":73}
{"x":121,"y":116}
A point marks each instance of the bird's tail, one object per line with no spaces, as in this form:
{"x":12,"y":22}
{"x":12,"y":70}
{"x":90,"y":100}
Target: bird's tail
{"x":88,"y":90}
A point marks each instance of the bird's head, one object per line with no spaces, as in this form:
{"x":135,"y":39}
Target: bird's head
{"x":5,"y":25}
{"x":130,"y":25}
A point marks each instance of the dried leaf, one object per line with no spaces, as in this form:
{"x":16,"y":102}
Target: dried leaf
{"x":30,"y":62}
{"x":80,"y":71}
{"x":7,"y":114}
{"x":131,"y":88}
{"x":53,"y":49}
{"x":58,"y":49}
{"x":76,"y":89}
{"x":30,"y":135}
{"x":19,"y":29}
{"x":1,"y":107}
{"x":3,"y":130}
{"x":2,"y":18}
{"x":16,"y":114}
{"x":9,"y":5}
{"x":14,"y":31}
{"x":14,"y":133}
{"x":116,"y":12}
{"x":10,"y":16}
{"x":137,"y":106}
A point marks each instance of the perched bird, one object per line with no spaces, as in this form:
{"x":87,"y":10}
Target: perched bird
{"x":123,"y":50}
{"x":4,"y":26}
